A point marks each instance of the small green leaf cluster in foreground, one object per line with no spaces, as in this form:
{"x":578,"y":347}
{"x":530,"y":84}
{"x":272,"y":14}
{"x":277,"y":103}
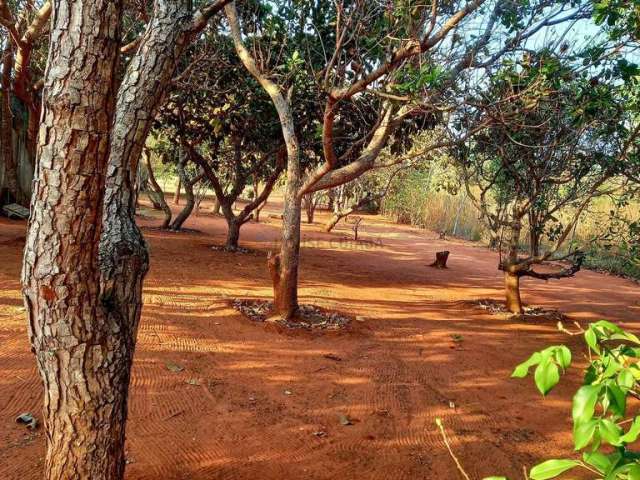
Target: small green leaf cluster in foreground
{"x":601,"y":428}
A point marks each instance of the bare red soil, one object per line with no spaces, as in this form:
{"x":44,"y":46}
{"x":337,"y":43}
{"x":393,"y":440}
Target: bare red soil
{"x":254,"y":402}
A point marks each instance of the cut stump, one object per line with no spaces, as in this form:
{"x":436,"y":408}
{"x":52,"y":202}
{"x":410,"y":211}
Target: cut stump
{"x":441,"y":260}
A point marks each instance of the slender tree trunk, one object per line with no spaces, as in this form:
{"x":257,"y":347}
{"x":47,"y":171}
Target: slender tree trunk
{"x":78,"y":349}
{"x":176,"y":195}
{"x":216,"y":206}
{"x":187,"y":183}
{"x":309,"y":206}
{"x":511,"y":277}
{"x":158,"y":193}
{"x":12,"y":192}
{"x":512,"y":292}
{"x":534,"y":242}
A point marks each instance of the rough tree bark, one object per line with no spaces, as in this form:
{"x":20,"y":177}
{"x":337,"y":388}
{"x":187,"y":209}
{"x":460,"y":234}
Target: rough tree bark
{"x":78,"y":348}
{"x":83,"y":286}
{"x":511,"y":264}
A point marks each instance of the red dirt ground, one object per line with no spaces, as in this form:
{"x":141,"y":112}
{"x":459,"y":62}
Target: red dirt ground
{"x":227,"y":416}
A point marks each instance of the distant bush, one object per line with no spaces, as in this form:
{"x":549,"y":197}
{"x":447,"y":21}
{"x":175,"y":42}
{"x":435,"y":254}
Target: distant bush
{"x":428,"y":198}
{"x":431,"y":198}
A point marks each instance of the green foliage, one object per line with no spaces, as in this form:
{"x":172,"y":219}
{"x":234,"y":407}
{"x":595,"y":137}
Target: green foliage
{"x":602,"y":427}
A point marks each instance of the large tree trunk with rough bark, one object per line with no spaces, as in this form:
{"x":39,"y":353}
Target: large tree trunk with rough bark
{"x":512,"y":292}
{"x":79,"y":349}
{"x":123,"y":251}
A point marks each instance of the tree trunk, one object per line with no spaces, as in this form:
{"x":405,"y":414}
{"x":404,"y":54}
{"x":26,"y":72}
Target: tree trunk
{"x":534,"y":242}
{"x":79,"y":350}
{"x":286,"y":289}
{"x":176,"y":195}
{"x":12,"y":192}
{"x":158,"y":193}
{"x":216,"y":206}
{"x":187,"y":183}
{"x":309,"y":206}
{"x":233,"y":234}
{"x":123,"y":252}
{"x":284,"y":266}
{"x":512,"y":293}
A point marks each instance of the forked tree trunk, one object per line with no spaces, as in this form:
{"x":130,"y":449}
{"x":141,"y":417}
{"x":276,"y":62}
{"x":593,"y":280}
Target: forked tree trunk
{"x":310,"y":204}
{"x":512,"y":293}
{"x":158,"y":193}
{"x":79,"y":349}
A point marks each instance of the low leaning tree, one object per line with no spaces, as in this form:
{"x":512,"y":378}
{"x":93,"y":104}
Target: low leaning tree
{"x":559,"y":140}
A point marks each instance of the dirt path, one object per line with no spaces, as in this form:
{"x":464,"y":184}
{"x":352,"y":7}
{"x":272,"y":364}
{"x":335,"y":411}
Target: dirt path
{"x":253,"y":403}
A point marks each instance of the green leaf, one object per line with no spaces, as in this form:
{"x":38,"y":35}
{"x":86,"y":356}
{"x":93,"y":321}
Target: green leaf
{"x":583,"y":433}
{"x":634,"y":472}
{"x":546,"y":376}
{"x":522,"y":370}
{"x":597,"y":460}
{"x":610,"y":432}
{"x":618,"y":399}
{"x":592,"y":340}
{"x":584,"y":402}
{"x":563,"y":357}
{"x":551,"y":469}
{"x":633,"y":432}
{"x":625,"y":378}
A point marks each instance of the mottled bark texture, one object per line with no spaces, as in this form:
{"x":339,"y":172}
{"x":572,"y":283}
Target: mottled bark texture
{"x":123,"y":251}
{"x":79,"y":350}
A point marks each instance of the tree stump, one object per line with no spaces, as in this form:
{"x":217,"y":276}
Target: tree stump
{"x":441,"y":260}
